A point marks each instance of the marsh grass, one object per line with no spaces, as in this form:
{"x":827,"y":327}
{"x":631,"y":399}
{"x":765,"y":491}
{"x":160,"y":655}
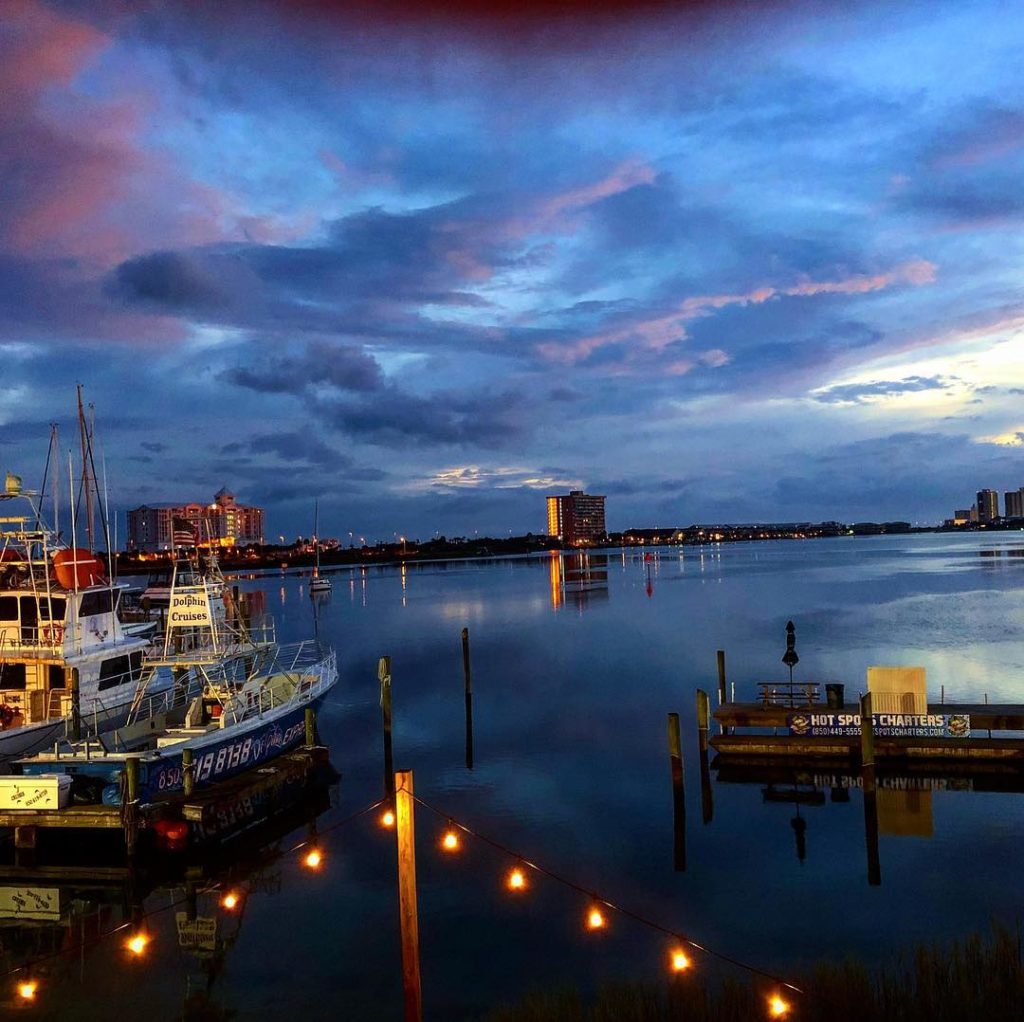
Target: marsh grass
{"x":979,"y":978}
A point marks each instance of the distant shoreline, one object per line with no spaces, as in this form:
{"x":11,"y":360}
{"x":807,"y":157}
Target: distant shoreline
{"x":439,"y":551}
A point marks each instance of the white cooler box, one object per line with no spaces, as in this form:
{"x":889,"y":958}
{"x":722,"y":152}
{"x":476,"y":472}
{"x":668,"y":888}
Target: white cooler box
{"x":43,"y":791}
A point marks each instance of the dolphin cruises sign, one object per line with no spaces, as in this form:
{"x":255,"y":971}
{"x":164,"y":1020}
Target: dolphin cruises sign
{"x":884,"y":725}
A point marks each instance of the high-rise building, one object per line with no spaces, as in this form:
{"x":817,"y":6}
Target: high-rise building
{"x":577,"y":518}
{"x":224,"y":523}
{"x":988,"y":505}
{"x":1014,"y":503}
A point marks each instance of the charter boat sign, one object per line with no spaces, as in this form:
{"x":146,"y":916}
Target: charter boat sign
{"x":884,"y":725}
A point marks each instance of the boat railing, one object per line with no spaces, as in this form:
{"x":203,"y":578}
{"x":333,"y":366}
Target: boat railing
{"x":32,"y":641}
{"x":306,"y":663}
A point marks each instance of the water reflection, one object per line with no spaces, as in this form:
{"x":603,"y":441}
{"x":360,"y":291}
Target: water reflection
{"x":578,"y":578}
{"x":66,"y":919}
{"x":901,"y":806}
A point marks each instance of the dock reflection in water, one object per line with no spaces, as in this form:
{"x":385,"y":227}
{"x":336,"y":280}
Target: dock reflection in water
{"x":65,"y":922}
{"x":901,"y":807}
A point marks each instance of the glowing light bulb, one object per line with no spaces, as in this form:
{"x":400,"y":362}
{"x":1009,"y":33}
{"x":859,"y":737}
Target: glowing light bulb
{"x":450,"y":841}
{"x":595,"y":919}
{"x":387,"y":818}
{"x":229,"y":901}
{"x":27,"y":989}
{"x":777,"y":1007}
{"x":517,"y":880}
{"x":679,"y":961}
{"x":313,"y":859}
{"x":137,"y":943}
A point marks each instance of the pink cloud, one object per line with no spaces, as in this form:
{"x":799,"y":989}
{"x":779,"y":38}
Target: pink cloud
{"x":626,"y":176}
{"x":654,"y":334}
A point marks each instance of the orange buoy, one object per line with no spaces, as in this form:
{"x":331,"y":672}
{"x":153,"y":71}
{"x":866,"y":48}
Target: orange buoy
{"x":76,"y":569}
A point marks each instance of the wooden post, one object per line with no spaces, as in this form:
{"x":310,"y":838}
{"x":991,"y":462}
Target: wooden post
{"x":721,"y":676}
{"x":76,"y":704}
{"x":867,"y":743}
{"x":384,"y":676}
{"x":310,"y":727}
{"x":703,"y":717}
{"x":187,"y":772}
{"x":131,"y":769}
{"x":406,"y":837}
{"x":675,"y":752}
{"x":465,"y":661}
{"x":707,"y":804}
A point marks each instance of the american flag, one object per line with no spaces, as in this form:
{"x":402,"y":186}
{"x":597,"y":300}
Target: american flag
{"x":183,"y":533}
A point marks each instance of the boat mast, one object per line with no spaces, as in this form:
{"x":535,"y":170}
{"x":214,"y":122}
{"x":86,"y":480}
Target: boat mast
{"x":84,"y":440}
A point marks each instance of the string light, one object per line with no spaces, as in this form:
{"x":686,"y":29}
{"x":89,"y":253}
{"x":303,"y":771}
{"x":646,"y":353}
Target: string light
{"x":516,"y":880}
{"x":229,"y":901}
{"x":27,"y":989}
{"x":137,"y":943}
{"x":679,"y":961}
{"x":777,"y":1007}
{"x":387,"y":818}
{"x":595,"y":919}
{"x":313,"y":859}
{"x":450,"y":841}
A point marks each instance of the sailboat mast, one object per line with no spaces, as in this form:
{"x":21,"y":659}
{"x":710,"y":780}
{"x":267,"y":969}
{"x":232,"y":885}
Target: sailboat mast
{"x":87,"y":488}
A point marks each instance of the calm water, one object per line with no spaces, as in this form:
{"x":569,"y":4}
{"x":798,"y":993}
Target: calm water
{"x":573,"y":675}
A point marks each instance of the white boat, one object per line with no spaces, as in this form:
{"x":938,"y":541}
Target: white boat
{"x":251,"y":709}
{"x":318,"y":583}
{"x":66,"y":660}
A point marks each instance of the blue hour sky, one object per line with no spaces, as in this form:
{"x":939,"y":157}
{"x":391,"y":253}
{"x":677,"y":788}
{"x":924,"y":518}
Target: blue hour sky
{"x":431,"y":262}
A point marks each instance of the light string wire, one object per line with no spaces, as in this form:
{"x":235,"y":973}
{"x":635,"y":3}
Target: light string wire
{"x":600,"y":899}
{"x":29,"y":967}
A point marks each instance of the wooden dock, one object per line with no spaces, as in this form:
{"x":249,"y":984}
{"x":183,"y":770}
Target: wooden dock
{"x":765,"y":743}
{"x":209,"y":814}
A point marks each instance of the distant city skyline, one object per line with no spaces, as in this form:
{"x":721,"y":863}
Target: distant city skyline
{"x":719,"y":262}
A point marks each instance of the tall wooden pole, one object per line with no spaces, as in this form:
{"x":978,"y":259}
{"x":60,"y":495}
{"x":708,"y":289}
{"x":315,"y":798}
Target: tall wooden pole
{"x":703,"y":717}
{"x":721,"y":676}
{"x":867,"y":766}
{"x":384,"y":676}
{"x":405,"y":833}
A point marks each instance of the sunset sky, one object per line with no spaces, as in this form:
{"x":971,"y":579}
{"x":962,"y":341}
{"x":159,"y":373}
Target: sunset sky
{"x":748,"y":262}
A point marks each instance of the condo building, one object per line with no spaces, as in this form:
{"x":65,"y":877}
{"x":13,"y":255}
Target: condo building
{"x":223,"y":523}
{"x":577,"y":518}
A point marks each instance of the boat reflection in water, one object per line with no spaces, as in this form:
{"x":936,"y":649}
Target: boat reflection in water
{"x":577,"y":578}
{"x":900,"y":806}
{"x":66,"y":926}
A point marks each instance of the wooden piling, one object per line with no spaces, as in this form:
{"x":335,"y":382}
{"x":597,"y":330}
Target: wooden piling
{"x":408,"y":916}
{"x":871,"y":837}
{"x":131,"y":770}
{"x":75,"y":726}
{"x":675,"y":752}
{"x":384,"y":676}
{"x":703,"y":717}
{"x":187,"y":771}
{"x":867,"y":743}
{"x":310,"y":717}
{"x":465,"y":662}
{"x":721,"y":677}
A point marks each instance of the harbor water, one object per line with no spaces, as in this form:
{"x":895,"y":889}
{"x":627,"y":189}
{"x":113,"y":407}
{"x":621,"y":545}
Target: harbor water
{"x":576,"y":662}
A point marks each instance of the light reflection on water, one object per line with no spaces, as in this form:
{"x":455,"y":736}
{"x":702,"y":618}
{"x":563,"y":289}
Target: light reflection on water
{"x":576,"y":662}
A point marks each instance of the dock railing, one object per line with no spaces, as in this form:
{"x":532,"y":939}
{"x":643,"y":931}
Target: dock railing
{"x":791,"y":694}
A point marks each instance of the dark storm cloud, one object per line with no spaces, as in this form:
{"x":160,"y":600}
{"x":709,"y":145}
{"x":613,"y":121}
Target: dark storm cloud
{"x":394,"y":418}
{"x":336,"y":365}
{"x":859,"y":392}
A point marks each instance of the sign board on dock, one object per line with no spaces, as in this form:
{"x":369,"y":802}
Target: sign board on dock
{"x":199,"y":934}
{"x":884,"y":725}
{"x":41,"y":903}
